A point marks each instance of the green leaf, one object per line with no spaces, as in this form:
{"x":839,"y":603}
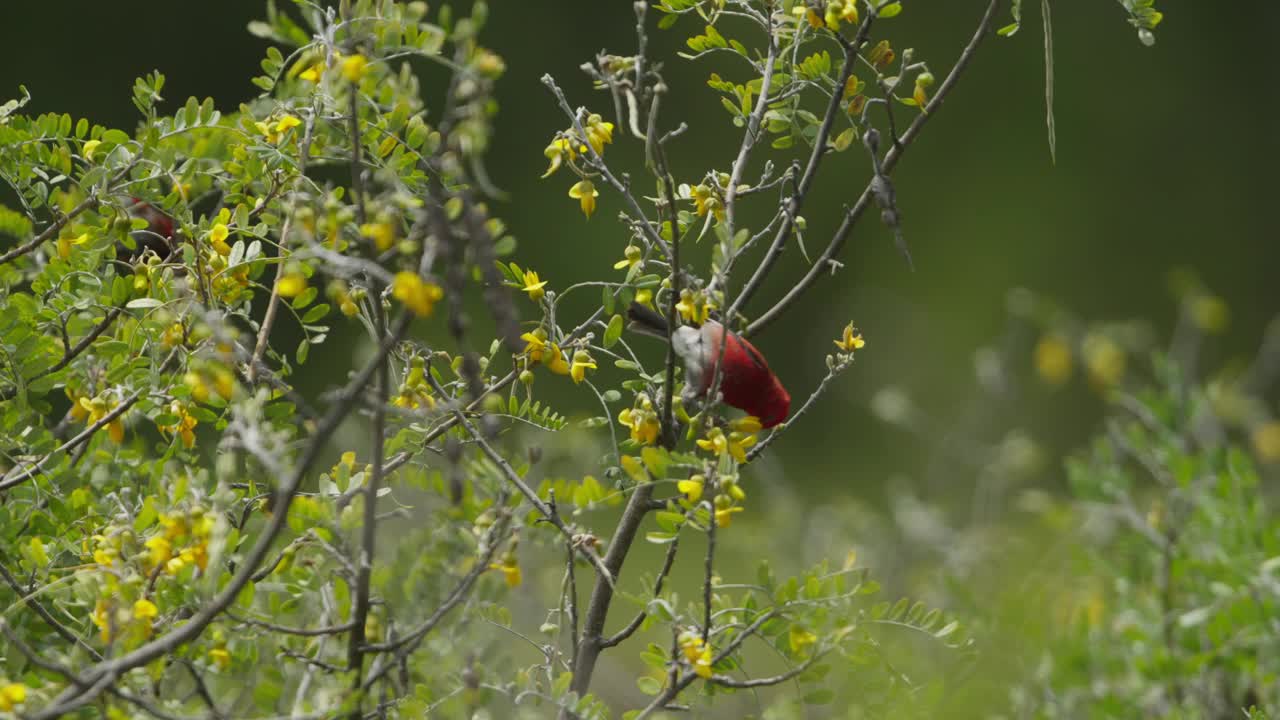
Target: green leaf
{"x":889,"y":11}
{"x":613,"y":332}
{"x":316,"y":313}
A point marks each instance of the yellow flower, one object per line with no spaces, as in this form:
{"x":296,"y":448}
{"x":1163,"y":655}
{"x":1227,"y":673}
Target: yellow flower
{"x":582,"y":362}
{"x":97,"y":409}
{"x":90,"y":147}
{"x":724,"y":516}
{"x":643,"y":423}
{"x":533,"y":285}
{"x":144,"y":609}
{"x":285,"y":124}
{"x":220,"y":656}
{"x":850,"y":341}
{"x":645,"y":297}
{"x":687,"y":307}
{"x":536,"y":348}
{"x":692,"y":488}
{"x":555,"y":361}
{"x":185,"y":427}
{"x":160,"y":550}
{"x":173,"y":335}
{"x":1053,"y":359}
{"x":510,"y":570}
{"x":1210,"y":313}
{"x":630,"y":259}
{"x":382,"y":234}
{"x":291,"y":284}
{"x":348,"y":459}
{"x":11,"y":695}
{"x":64,"y":244}
{"x":584,"y":191}
{"x":313,"y":73}
{"x":705,"y":199}
{"x":800,"y":639}
{"x":101,"y":618}
{"x":715,"y":442}
{"x":556,"y":152}
{"x":599,"y":133}
{"x":354,"y":67}
{"x":218,"y":239}
{"x":696,"y":652}
{"x":1266,"y":441}
{"x":921,"y":93}
{"x":417,"y":294}
{"x":1104,"y":358}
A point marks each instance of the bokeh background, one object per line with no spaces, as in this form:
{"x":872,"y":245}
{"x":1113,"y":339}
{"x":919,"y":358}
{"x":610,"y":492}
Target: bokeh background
{"x":1166,"y":159}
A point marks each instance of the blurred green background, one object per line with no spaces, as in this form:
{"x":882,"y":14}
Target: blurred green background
{"x":1166,"y":159}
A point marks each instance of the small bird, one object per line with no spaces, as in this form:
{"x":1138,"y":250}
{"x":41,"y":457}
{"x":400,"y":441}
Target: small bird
{"x":746,"y":381}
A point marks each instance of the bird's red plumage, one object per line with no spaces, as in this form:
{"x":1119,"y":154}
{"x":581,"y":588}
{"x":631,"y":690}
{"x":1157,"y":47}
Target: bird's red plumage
{"x":747,"y":383}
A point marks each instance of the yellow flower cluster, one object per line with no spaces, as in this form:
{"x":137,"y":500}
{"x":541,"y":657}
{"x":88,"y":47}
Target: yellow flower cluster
{"x":417,"y":294}
{"x":537,"y":349}
{"x":91,"y":411}
{"x":642,"y":419}
{"x":568,"y":147}
{"x":694,"y":307}
{"x":414,"y":391}
{"x":185,"y":427}
{"x":383,"y":234}
{"x":696,"y":652}
{"x":837,"y":12}
{"x":12,"y":695}
{"x":735,"y":443}
{"x":277,"y":131}
{"x":182,"y":542}
{"x":204,"y":382}
{"x":706,"y":199}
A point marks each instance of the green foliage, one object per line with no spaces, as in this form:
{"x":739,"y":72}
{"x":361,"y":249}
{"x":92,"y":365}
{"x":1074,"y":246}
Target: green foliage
{"x":186,"y":528}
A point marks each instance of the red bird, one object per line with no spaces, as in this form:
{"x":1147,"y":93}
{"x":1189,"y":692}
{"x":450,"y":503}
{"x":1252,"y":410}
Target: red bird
{"x":746,"y":381}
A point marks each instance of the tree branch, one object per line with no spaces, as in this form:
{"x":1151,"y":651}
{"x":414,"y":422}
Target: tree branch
{"x":891,"y":159}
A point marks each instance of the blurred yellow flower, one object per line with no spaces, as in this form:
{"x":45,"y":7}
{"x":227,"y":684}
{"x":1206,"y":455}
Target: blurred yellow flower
{"x":417,"y":294}
{"x":354,"y":67}
{"x":1266,"y":441}
{"x":1105,"y":360}
{"x":11,"y":695}
{"x":1053,"y":359}
{"x":90,"y":147}
{"x":144,"y":609}
{"x":291,"y":284}
{"x":382,"y":234}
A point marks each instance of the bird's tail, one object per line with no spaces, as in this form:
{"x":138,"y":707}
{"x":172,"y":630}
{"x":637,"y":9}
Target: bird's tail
{"x":647,"y":321}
